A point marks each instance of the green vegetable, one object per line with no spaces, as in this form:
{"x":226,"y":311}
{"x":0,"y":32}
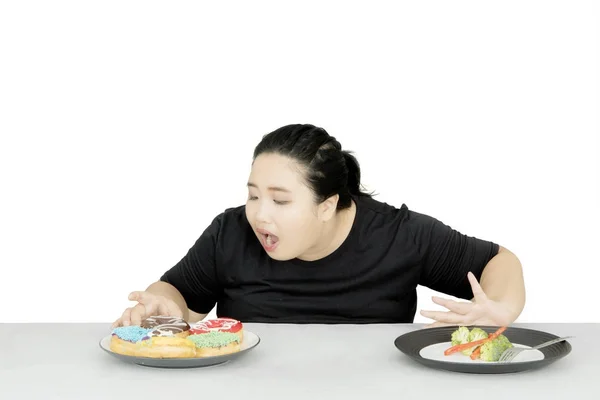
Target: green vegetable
{"x":474,"y":335}
{"x":492,"y":351}
{"x":460,"y":336}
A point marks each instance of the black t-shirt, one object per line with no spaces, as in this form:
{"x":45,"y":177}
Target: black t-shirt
{"x":371,"y":278}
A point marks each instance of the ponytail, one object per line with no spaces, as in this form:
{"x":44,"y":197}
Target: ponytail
{"x":354,"y":187}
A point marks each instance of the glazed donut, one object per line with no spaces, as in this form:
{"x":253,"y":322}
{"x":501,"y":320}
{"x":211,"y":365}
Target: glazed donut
{"x":166,"y":326}
{"x":228,"y":325}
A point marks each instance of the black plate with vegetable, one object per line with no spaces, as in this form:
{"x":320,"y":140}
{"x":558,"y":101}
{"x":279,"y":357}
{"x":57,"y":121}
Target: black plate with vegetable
{"x":475,"y":350}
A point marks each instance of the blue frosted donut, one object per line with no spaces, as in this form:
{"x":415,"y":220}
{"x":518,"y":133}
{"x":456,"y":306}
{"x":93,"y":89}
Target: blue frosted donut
{"x":131,"y":334}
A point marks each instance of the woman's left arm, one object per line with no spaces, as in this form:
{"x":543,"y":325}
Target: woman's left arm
{"x":502,"y":281}
{"x":498,"y":299}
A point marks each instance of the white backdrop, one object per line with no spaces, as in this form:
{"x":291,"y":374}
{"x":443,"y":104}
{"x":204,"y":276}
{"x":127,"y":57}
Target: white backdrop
{"x":127,"y":126}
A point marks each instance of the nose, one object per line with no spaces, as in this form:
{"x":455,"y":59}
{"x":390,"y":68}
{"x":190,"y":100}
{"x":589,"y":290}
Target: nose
{"x":262,"y":214}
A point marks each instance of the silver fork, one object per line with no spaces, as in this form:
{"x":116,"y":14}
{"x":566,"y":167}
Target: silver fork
{"x":510,"y":353}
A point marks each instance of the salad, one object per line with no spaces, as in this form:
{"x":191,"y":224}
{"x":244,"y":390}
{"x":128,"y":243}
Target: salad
{"x":477,"y":344}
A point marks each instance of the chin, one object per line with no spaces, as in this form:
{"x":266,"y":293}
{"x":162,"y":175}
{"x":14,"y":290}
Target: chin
{"x":279,"y":258}
{"x":281,"y":255}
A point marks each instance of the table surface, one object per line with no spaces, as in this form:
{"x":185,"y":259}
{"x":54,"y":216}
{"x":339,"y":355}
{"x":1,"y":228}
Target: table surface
{"x":64,"y":361}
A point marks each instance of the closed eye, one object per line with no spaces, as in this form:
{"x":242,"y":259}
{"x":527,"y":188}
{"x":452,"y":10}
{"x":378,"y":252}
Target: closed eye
{"x":280,"y":203}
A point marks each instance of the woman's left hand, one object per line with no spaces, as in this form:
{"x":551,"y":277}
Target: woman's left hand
{"x":480,"y":311}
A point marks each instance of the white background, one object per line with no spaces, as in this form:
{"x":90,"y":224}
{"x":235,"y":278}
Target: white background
{"x":127,"y":126}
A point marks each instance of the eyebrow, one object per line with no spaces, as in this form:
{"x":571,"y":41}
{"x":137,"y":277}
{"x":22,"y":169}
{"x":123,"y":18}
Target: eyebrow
{"x":272,"y":188}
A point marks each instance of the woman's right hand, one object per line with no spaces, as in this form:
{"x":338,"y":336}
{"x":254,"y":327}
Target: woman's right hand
{"x":149,"y":304}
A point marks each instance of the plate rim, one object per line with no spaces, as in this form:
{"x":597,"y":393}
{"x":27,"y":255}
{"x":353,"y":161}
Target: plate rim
{"x":180,"y":360}
{"x":491,"y":367}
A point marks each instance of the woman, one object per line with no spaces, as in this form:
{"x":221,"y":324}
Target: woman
{"x":310,"y":247}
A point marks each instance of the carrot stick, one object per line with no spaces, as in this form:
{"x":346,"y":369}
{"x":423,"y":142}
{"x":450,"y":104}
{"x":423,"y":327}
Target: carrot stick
{"x":475,"y":354}
{"x":461,"y":347}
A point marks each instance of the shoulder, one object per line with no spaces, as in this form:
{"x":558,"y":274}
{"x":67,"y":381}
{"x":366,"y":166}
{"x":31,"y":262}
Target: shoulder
{"x":378,"y":221}
{"x":234,"y":243}
{"x":402,"y":215}
{"x":234,"y":214}
{"x":231,"y":221}
{"x":378,"y":214}
{"x":375,"y":208}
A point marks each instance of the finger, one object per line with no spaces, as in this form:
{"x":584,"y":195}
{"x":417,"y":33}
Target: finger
{"x":441,"y":316}
{"x":126,"y":317}
{"x":142,"y":297}
{"x":137,"y":314}
{"x":163,"y":309}
{"x":160,"y":306}
{"x":455,"y":306}
{"x":478,"y":293}
{"x":169,"y":308}
{"x":150,"y":309}
{"x":173,"y":309}
{"x":116,"y":324}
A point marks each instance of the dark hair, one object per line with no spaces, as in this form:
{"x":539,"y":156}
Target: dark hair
{"x":329,"y":169}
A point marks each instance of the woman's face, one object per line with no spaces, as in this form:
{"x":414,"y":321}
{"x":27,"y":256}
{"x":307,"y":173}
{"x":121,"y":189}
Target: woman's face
{"x":282,"y":210}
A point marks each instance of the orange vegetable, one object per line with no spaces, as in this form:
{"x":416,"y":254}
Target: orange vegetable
{"x":475,"y":354}
{"x":461,"y":347}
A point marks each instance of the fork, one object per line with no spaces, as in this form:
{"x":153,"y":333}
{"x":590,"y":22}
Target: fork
{"x":510,"y":353}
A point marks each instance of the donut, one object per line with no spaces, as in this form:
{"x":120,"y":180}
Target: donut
{"x":125,"y":339}
{"x":163,"y":326}
{"x":172,"y":337}
{"x":215,"y":343}
{"x":166,"y":347}
{"x":228,"y":325}
{"x":156,"y":337}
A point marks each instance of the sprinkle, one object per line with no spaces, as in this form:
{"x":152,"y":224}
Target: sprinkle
{"x":214,"y":339}
{"x":130,"y":333}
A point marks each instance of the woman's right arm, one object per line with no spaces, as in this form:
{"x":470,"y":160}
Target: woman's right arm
{"x":189,"y":285}
{"x":167,"y":290}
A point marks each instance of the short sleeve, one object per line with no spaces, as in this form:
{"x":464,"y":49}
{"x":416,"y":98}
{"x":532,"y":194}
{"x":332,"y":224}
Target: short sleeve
{"x":448,"y":255}
{"x":195,"y":275}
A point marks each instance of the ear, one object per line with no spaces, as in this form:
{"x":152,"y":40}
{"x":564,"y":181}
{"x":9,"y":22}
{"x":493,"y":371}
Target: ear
{"x":328,"y":208}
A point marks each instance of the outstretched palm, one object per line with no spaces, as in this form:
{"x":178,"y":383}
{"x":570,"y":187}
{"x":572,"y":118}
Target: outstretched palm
{"x":480,"y":311}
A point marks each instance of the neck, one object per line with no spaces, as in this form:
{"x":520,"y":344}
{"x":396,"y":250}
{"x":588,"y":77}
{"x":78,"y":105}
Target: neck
{"x":332,"y":235}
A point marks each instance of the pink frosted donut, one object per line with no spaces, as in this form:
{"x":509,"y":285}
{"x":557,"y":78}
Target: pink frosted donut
{"x":218,"y":325}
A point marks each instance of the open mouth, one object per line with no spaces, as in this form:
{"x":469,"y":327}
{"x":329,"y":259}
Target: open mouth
{"x":268,"y":240}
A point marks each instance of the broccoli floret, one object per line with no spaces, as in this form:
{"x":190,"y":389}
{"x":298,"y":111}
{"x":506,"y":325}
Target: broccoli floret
{"x":475,"y":334}
{"x":460,"y":336}
{"x":491,"y":351}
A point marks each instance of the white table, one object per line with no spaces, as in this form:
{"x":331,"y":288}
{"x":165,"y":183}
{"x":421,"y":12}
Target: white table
{"x":341,"y":362}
